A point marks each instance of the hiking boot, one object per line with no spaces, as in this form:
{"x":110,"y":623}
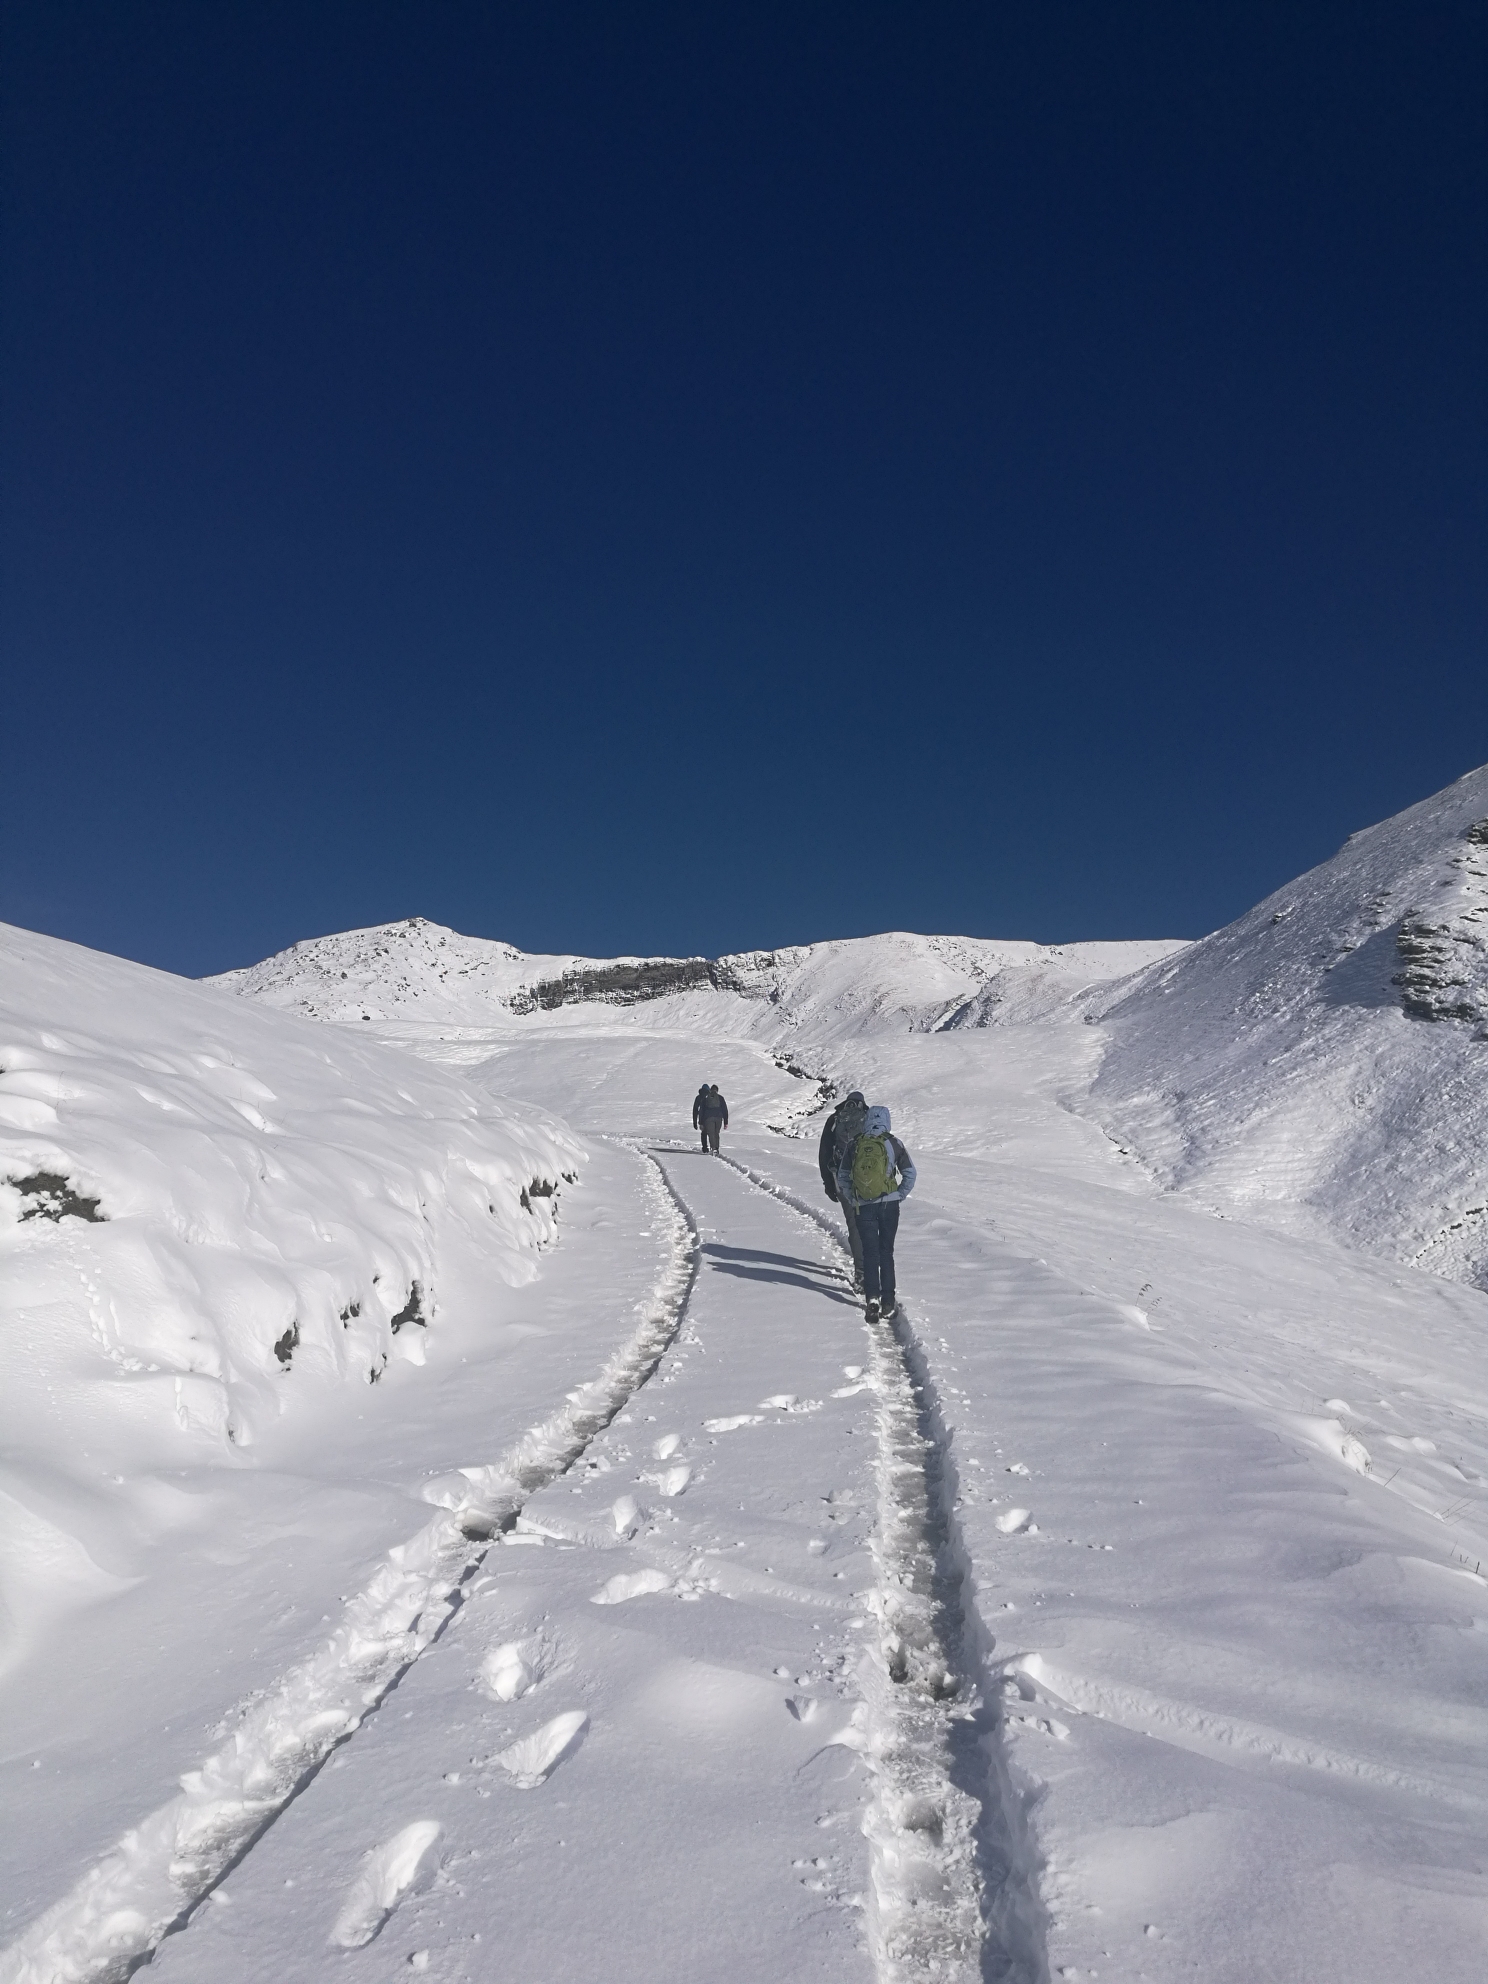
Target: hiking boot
{"x":888,"y":1312}
{"x":870,"y":1310}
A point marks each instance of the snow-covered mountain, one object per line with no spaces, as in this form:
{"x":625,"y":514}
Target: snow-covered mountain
{"x":417,"y":971}
{"x":1324,"y":1059}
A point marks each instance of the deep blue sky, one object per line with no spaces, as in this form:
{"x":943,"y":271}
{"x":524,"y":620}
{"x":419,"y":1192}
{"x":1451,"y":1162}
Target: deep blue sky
{"x":681,"y":478}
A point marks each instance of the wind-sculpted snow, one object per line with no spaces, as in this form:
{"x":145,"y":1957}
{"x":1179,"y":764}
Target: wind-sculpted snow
{"x":147,"y":1886}
{"x":1322,"y":1061}
{"x":222,"y":1214}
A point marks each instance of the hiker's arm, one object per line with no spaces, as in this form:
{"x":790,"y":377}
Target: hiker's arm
{"x":824,"y":1156}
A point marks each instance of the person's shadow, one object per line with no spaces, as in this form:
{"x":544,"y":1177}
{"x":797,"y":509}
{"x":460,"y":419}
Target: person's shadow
{"x":754,"y":1264}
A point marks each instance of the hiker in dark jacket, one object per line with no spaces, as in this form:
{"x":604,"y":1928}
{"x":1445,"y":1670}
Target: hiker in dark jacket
{"x":697,"y":1106}
{"x":710,"y":1115}
{"x":875,"y":1177}
{"x":844,"y":1123}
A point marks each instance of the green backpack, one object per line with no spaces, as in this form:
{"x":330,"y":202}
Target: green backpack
{"x":873,"y":1168}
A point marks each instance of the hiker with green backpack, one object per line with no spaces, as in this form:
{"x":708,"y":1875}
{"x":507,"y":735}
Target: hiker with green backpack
{"x":875,"y":1177}
{"x":838,"y":1133}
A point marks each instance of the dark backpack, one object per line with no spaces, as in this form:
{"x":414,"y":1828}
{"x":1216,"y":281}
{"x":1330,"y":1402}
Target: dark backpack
{"x":847,"y":1126}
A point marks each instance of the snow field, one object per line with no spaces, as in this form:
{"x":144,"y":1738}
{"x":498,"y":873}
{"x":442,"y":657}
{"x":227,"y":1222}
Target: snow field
{"x":147,"y":1886}
{"x":1239,"y":1738}
{"x":1239,"y":1674}
{"x":644,"y":1732}
{"x":1121,"y":1614}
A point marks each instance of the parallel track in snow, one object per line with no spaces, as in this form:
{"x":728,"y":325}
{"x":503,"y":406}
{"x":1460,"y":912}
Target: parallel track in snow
{"x":951,"y":1898}
{"x":954,"y":1892}
{"x":149,"y":1886}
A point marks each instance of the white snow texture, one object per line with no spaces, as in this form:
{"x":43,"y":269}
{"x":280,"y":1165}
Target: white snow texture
{"x":445,"y":1515}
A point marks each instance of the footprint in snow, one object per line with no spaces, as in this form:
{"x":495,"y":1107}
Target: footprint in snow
{"x":630,"y":1584}
{"x":666,"y":1446}
{"x":732,"y":1425}
{"x":676,"y":1478}
{"x":405,"y":1861}
{"x":788,"y":1402}
{"x":507,"y":1672}
{"x":536,"y":1757}
{"x":1014,"y":1521}
{"x":627,"y":1515}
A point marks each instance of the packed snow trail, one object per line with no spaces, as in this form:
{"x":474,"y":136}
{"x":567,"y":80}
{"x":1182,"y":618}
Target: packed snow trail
{"x":643,"y":1738}
{"x":146,"y":1888}
{"x":946,"y":1822}
{"x":1240,"y":1673}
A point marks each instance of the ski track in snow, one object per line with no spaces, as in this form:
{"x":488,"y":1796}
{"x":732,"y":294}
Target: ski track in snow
{"x":954,"y":1870}
{"x":162,"y":1869}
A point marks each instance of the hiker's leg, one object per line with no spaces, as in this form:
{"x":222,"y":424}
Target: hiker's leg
{"x":868,"y":1228}
{"x":888,"y":1226}
{"x":854,"y":1241}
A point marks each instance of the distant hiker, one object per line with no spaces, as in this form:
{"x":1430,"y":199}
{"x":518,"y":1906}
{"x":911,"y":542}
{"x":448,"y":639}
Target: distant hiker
{"x":844,"y":1123}
{"x":710,"y":1115}
{"x":875,"y":1176}
{"x":697,"y":1110}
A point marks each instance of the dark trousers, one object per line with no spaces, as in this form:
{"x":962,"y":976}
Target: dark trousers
{"x":710,"y":1126}
{"x":855,"y":1242}
{"x":877,"y":1224}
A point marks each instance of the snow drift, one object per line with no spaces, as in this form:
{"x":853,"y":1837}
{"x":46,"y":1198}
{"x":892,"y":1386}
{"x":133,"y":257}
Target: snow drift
{"x":1324,"y":1060}
{"x":206,"y":1210}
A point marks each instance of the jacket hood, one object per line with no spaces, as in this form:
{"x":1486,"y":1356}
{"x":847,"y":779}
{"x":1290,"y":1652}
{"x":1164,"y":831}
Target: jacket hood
{"x":876,"y":1123}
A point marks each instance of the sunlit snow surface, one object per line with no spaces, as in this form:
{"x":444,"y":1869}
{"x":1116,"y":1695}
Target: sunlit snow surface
{"x":1217,"y":1485}
{"x":1323,"y":1062}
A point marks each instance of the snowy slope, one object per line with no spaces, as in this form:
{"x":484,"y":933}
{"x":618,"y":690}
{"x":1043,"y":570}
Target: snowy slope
{"x":210,"y":1216}
{"x":245,"y":1176}
{"x":1323,"y":1062}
